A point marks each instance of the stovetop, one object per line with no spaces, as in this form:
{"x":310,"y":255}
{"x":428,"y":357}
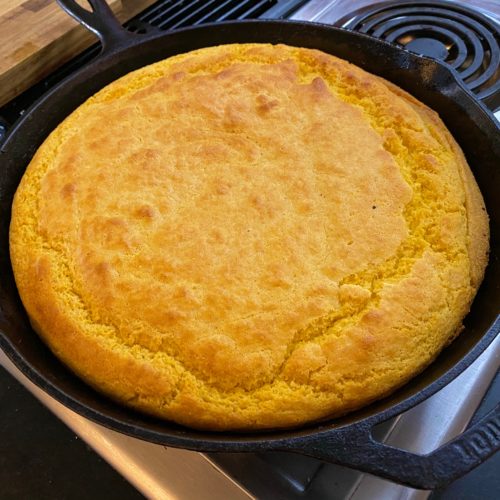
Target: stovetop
{"x":464,"y":35}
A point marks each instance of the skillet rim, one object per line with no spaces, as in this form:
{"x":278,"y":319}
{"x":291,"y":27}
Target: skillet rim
{"x":238,"y":441}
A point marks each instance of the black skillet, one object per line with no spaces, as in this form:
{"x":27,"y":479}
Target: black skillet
{"x":348,"y":440}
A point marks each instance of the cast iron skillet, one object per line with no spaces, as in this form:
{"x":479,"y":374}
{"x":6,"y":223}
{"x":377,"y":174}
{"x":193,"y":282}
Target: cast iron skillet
{"x":346,"y":441}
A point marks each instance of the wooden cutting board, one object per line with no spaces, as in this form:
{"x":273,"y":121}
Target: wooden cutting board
{"x":37,"y":36}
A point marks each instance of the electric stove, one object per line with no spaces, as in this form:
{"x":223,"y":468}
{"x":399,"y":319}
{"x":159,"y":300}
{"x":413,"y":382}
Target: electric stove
{"x":466,"y":36}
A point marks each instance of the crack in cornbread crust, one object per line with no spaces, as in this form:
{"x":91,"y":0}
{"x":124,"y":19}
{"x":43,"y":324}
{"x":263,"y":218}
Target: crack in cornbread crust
{"x":371,"y":325}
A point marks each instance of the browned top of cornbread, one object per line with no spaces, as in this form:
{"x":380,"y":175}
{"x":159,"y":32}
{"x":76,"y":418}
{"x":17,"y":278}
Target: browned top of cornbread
{"x":248,"y":236}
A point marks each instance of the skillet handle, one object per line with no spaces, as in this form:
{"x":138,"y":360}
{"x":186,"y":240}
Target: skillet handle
{"x":357,"y":449}
{"x":100,"y":21}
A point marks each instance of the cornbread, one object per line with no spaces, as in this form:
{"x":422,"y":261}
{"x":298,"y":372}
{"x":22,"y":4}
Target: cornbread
{"x":248,"y":236}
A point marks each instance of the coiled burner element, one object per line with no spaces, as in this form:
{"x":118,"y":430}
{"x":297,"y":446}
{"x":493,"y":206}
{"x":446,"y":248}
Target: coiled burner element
{"x":463,"y":38}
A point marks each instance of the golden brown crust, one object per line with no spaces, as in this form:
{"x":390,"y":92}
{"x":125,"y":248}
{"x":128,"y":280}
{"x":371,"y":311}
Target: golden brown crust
{"x":248,"y":237}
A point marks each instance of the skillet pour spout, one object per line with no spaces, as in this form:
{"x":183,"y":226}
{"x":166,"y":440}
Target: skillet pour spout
{"x":346,"y":441}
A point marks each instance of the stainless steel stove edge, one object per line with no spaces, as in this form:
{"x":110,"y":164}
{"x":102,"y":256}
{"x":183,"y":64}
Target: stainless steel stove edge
{"x":313,"y":10}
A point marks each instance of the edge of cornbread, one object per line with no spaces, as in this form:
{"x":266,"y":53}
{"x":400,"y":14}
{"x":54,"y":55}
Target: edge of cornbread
{"x":247,"y":237}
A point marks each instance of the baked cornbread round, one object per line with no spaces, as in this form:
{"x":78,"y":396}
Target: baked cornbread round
{"x":247,"y":237}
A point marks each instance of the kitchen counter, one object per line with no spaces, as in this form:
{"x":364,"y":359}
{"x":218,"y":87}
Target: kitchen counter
{"x":41,"y":458}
